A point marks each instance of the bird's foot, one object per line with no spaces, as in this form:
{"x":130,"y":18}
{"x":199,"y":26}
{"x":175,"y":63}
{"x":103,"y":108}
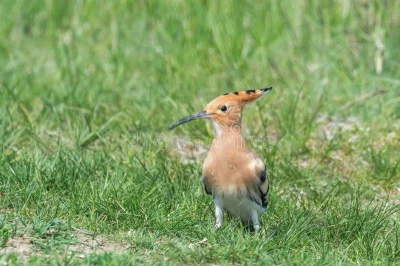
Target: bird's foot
{"x":217,"y":226}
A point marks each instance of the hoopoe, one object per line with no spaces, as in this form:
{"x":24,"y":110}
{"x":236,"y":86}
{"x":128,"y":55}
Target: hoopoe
{"x":235,"y":176}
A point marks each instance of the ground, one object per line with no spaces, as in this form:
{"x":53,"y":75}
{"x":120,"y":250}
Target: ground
{"x":89,"y":173}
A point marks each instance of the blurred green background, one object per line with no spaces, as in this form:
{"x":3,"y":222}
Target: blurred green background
{"x":87,"y":89}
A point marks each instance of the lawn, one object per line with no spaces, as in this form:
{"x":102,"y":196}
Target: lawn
{"x":89,"y":173}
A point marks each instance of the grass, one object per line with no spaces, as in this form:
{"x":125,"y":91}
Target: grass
{"x":87,"y":89}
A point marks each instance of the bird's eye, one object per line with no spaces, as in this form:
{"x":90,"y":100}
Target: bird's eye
{"x":224,"y":108}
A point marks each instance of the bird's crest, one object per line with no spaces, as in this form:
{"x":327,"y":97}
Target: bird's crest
{"x":244,"y":96}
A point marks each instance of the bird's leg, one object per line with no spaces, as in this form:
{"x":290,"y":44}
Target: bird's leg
{"x":219,"y":213}
{"x":254,"y":218}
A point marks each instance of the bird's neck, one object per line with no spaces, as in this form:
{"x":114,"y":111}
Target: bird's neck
{"x":226,"y":130}
{"x":228,"y":137}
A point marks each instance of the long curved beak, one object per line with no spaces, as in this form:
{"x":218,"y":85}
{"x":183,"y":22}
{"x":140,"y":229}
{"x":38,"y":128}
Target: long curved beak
{"x":199,"y":115}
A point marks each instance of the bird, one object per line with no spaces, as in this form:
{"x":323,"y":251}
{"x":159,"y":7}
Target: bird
{"x":234,"y":175}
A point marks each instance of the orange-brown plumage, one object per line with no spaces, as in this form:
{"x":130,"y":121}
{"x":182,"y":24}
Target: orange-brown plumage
{"x":232,"y":173}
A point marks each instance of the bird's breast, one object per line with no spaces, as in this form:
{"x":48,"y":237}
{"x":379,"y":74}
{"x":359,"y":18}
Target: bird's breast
{"x":228,"y":174}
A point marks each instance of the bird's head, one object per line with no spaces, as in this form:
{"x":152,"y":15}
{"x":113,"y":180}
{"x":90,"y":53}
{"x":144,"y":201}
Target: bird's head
{"x":226,"y":110}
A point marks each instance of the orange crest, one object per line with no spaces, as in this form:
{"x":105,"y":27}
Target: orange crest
{"x":244,"y":97}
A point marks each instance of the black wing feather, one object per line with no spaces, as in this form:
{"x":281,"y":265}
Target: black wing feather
{"x":206,"y":189}
{"x":263,"y":192}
